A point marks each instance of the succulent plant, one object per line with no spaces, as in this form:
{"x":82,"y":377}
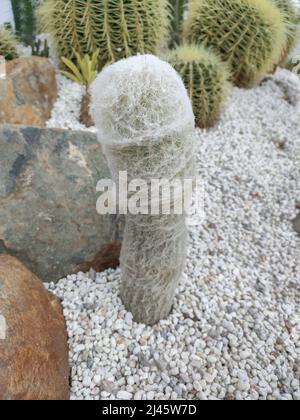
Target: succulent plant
{"x":248,"y":34}
{"x":24,"y":17}
{"x":84,"y":73}
{"x":292,"y":22}
{"x":8,"y":44}
{"x":146,"y":127}
{"x":118,"y":28}
{"x":206,"y":78}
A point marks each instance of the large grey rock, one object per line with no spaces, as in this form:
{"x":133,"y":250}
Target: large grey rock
{"x":48,"y":197}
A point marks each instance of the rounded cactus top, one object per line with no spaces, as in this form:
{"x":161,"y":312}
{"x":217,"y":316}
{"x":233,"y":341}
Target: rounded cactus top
{"x":138,"y":99}
{"x":193,"y":53}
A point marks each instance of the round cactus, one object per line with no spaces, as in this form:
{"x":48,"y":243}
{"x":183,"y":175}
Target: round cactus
{"x":8,"y":44}
{"x":249,"y":34}
{"x":292,"y":22}
{"x":146,"y":127}
{"x":206,"y":79}
{"x":117,"y":28}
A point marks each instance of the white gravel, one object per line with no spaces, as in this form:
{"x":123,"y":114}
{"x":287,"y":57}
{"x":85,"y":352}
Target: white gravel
{"x":66,"y":110}
{"x":234,"y":332}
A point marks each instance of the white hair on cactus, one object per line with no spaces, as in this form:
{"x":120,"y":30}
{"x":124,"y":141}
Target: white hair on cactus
{"x":150,"y":97}
{"x":146,"y":126}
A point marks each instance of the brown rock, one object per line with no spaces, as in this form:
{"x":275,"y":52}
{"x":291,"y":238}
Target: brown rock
{"x":107,"y":257}
{"x":33,"y":346}
{"x":28,"y":93}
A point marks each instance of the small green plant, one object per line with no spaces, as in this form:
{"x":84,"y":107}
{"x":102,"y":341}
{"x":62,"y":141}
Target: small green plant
{"x":118,"y":28}
{"x":248,"y":34}
{"x":291,"y":20}
{"x":206,"y":79}
{"x":86,"y":70}
{"x":24,"y":18}
{"x":8,"y":44}
{"x":84,"y":73}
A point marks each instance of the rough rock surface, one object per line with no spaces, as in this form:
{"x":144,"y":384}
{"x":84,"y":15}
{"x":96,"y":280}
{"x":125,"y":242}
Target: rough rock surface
{"x":33,"y":345}
{"x":29,"y":91}
{"x":48,"y":198}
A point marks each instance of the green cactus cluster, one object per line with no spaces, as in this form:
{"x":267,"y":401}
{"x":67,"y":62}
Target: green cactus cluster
{"x":118,"y":28}
{"x":292,"y":22}
{"x":206,"y":78}
{"x":24,"y":17}
{"x":8,"y":44}
{"x":250,"y":35}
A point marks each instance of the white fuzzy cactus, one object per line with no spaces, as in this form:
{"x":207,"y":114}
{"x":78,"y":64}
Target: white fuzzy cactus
{"x":146,"y":127}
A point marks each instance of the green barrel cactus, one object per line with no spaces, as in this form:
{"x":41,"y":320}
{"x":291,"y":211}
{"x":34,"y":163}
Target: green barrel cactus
{"x":292,"y":22}
{"x":206,"y":78}
{"x":8,"y":44}
{"x":118,"y":28}
{"x":248,"y":34}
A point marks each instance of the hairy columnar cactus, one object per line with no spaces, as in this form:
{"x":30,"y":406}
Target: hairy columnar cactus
{"x":206,"y":79}
{"x":24,"y":18}
{"x":146,"y":127}
{"x":291,"y":20}
{"x":249,"y":34}
{"x":8,"y":44}
{"x":118,"y":28}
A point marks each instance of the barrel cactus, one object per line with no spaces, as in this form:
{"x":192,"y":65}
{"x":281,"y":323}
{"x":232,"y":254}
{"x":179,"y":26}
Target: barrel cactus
{"x":249,"y":34}
{"x":206,"y":79}
{"x":8,"y":44}
{"x":291,"y":19}
{"x":146,"y":127}
{"x":118,"y":28}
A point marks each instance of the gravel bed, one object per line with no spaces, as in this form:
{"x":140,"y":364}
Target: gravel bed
{"x":234,"y":332}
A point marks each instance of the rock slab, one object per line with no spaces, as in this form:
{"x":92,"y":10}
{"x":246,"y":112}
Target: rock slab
{"x":33,"y":338}
{"x":28,"y":92}
{"x":48,"y":217}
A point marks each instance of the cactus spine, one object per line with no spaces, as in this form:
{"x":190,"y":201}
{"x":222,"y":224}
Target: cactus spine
{"x":8,"y":44}
{"x":118,"y":28}
{"x":248,"y":34}
{"x":146,"y":127}
{"x":206,"y":79}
